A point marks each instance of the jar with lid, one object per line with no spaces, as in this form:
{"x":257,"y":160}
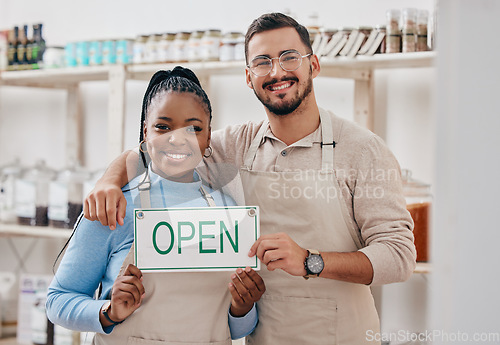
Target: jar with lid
{"x":140,"y":48}
{"x":239,"y":49}
{"x":179,"y":52}
{"x":32,"y":195}
{"x":422,"y":25}
{"x":228,"y":46}
{"x":210,"y":45}
{"x":193,"y":46}
{"x":8,"y":176}
{"x":152,"y":45}
{"x":66,"y":197}
{"x":393,"y":38}
{"x":418,"y":202}
{"x":165,"y":47}
{"x":409,"y":38}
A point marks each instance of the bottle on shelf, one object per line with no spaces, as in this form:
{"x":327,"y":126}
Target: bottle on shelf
{"x":22,"y":46}
{"x":409,"y":30}
{"x":393,"y":33}
{"x":8,"y":176}
{"x":32,"y":195}
{"x":12,"y":49}
{"x":65,"y":197}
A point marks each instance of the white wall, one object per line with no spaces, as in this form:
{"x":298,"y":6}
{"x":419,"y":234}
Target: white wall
{"x":465,"y":299}
{"x":32,"y":120}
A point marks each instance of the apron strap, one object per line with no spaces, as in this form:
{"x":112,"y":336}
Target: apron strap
{"x":144,"y":188}
{"x":146,"y":197}
{"x":327,"y":142}
{"x":254,"y":146}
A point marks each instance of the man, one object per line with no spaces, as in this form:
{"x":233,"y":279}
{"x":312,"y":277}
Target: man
{"x":329,"y":192}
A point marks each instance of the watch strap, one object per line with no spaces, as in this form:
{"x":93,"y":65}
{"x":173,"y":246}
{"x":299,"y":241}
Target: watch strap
{"x":105,"y":311}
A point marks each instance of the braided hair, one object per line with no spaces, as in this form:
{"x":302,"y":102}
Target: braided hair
{"x":178,"y":80}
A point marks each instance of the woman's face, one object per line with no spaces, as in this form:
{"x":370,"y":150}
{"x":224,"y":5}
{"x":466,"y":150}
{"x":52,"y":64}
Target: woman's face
{"x":177,"y":133}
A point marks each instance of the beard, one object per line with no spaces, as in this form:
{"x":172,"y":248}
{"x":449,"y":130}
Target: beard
{"x":286,"y":107}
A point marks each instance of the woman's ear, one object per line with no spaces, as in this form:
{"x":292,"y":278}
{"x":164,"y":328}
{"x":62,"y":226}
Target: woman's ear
{"x":209,"y":135}
{"x":144,"y":130}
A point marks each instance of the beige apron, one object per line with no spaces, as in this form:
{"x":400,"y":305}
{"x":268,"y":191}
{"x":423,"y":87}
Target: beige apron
{"x":308,"y":206}
{"x":179,"y":308}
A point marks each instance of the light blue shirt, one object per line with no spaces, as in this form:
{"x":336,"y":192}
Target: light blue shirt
{"x":95,"y":254}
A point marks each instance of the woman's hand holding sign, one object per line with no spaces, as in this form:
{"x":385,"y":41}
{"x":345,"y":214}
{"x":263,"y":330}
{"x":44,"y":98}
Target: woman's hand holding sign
{"x":127,"y":294}
{"x":246,"y":288}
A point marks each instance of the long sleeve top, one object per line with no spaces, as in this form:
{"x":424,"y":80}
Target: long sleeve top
{"x":95,"y":254}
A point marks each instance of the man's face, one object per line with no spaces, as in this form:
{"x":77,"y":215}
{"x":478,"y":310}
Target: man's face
{"x":280,"y":91}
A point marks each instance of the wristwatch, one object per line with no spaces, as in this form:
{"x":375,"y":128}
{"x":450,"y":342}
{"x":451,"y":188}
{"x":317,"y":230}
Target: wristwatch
{"x":313,"y":264}
{"x":105,"y":311}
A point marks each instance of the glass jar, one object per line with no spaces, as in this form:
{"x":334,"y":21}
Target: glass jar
{"x":66,"y":197}
{"x":8,"y":176}
{"x":193,"y":46}
{"x":393,"y":33}
{"x":210,"y":45}
{"x":418,"y":202}
{"x":409,"y":30}
{"x":165,"y":47}
{"x":139,"y":48}
{"x":32,"y":195}
{"x":228,"y":46}
{"x":239,"y":49}
{"x":179,"y":53}
{"x":422,"y":25}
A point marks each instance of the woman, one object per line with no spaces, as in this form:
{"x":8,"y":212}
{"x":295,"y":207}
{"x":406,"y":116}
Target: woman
{"x":174,"y":307}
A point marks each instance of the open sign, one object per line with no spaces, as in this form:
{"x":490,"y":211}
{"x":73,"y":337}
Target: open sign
{"x":195,"y":239}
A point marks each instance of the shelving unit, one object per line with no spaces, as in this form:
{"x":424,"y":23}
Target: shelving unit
{"x":360,"y":69}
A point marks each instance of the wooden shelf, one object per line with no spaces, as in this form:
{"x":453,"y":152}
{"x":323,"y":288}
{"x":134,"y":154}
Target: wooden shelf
{"x":33,"y":231}
{"x":339,"y":67}
{"x":423,"y":267}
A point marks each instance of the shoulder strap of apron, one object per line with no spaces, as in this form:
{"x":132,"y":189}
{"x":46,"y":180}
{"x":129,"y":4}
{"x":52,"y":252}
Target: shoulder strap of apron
{"x":146,"y":198}
{"x":327,"y":144}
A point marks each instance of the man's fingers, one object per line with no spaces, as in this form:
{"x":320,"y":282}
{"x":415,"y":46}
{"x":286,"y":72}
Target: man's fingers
{"x":132,"y":270}
{"x":120,"y":212}
{"x":111,"y":211}
{"x":100,"y":201}
{"x":266,"y":245}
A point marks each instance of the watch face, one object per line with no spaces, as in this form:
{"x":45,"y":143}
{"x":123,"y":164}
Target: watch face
{"x":315,"y":264}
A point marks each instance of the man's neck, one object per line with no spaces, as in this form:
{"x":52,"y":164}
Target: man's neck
{"x":295,"y":126}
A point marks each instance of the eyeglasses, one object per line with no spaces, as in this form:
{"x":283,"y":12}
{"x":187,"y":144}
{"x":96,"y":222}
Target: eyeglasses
{"x":289,"y":60}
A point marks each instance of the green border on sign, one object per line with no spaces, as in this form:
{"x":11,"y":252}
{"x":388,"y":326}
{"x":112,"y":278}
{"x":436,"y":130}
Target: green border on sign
{"x":186,"y":209}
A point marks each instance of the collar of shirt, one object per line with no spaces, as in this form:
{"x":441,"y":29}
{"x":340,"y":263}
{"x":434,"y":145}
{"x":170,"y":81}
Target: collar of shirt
{"x":307,"y":141}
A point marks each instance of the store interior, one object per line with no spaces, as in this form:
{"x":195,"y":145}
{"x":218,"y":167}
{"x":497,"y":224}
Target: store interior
{"x":438,"y":113}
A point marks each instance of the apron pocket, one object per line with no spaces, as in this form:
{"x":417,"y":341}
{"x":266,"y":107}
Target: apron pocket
{"x":295,"y":320}
{"x":141,"y":341}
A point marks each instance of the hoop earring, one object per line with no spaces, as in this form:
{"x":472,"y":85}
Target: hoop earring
{"x":140,"y":147}
{"x":210,"y":151}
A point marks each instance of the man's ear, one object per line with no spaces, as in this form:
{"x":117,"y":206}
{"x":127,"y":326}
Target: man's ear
{"x":248,"y":78}
{"x":315,"y":66}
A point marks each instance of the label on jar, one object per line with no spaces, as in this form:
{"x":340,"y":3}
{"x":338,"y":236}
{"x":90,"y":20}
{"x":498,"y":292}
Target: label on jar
{"x":25,"y":199}
{"x":58,"y":201}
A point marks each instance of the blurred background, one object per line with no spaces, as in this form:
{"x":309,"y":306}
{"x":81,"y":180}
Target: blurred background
{"x":438,"y":113}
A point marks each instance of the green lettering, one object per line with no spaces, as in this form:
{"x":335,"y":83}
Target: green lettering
{"x":234,"y":243}
{"x":183,"y":238}
{"x":163,"y":252}
{"x":205,"y":251}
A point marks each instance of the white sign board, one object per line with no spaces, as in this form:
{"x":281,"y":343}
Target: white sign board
{"x":195,"y":239}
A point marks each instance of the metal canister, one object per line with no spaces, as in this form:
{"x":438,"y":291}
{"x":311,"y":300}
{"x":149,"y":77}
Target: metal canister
{"x":70,"y":54}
